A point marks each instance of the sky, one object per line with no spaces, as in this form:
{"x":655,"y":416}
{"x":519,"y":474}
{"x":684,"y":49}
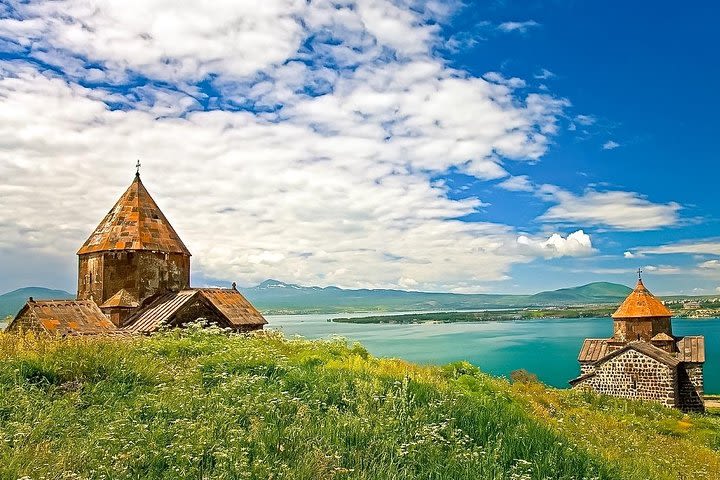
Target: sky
{"x":495,"y":146}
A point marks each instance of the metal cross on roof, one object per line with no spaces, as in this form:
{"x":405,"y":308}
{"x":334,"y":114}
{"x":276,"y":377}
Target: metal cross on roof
{"x":137,"y":168}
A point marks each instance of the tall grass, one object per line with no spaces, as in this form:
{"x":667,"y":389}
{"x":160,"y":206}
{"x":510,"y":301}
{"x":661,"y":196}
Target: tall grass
{"x":205,"y":404}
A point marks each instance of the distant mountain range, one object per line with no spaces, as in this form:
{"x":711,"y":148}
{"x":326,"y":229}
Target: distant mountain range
{"x":274,"y":296}
{"x":277,"y":297}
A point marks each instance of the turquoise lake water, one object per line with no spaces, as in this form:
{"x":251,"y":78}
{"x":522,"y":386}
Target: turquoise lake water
{"x":547,"y":347}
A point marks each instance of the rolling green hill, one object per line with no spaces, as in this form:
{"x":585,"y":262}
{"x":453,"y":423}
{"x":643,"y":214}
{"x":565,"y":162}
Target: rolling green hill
{"x":203,"y":404}
{"x":598,"y":292}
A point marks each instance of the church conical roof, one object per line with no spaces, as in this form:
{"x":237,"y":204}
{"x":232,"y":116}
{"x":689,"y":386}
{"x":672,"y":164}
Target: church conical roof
{"x":641,"y":304}
{"x":122,"y":298}
{"x":134,"y":223}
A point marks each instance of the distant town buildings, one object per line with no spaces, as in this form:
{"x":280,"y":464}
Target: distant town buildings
{"x":134,"y":277}
{"x":643,"y":359}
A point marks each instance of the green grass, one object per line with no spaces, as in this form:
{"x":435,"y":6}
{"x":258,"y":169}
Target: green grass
{"x":204,"y":404}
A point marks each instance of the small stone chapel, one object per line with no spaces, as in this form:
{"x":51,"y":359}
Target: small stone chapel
{"x":134,"y":277}
{"x":643,"y":359}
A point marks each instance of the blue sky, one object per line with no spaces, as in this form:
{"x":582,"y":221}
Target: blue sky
{"x":478,"y":147}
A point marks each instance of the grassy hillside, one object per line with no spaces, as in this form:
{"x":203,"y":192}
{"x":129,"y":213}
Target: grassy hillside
{"x":199,"y":404}
{"x":12,"y":302}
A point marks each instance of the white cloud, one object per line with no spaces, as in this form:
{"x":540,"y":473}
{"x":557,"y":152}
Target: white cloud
{"x":663,"y":269}
{"x":585,"y":120}
{"x":577,"y":244}
{"x":610,"y":145}
{"x":710,"y":265}
{"x":614,"y":209}
{"x":518,"y":183}
{"x":518,"y":26}
{"x":163,"y":38}
{"x":629,"y":255}
{"x":544,"y":74}
{"x":331,"y":189}
{"x":708,"y":247}
{"x":513,"y":82}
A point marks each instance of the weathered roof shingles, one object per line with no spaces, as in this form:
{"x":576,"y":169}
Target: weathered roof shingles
{"x":135,"y":223}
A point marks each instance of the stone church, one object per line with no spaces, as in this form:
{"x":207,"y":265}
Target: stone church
{"x":134,"y":277}
{"x":643,"y":359}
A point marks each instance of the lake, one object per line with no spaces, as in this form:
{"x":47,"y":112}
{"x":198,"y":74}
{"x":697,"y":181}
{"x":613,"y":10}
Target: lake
{"x":547,"y":347}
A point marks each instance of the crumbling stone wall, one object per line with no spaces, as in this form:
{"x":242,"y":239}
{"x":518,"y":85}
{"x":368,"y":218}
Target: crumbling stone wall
{"x":691,"y":387}
{"x":636,"y":376}
{"x":141,"y":273}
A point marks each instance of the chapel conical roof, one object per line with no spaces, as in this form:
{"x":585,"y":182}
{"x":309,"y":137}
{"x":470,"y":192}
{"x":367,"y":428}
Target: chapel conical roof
{"x":122,"y":298}
{"x":641,"y":304}
{"x":135,"y":223}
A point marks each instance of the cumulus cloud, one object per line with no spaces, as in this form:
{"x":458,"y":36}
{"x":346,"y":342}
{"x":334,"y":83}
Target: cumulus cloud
{"x":261,"y":177}
{"x":521,"y":27}
{"x":577,"y":244}
{"x":613,"y":209}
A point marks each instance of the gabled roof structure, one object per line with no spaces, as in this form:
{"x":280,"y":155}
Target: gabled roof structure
{"x":641,"y":304}
{"x":690,"y":349}
{"x":646,"y":349}
{"x":62,"y":317}
{"x":228,"y":305}
{"x":134,"y":223}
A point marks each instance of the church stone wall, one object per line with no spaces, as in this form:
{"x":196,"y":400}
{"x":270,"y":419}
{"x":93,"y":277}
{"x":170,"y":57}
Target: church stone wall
{"x":90,"y":277}
{"x":141,"y":273}
{"x":691,"y":387}
{"x":634,"y":375}
{"x":630,"y":329}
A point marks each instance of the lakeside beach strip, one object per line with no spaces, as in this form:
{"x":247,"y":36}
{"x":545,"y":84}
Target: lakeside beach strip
{"x":484,"y":316}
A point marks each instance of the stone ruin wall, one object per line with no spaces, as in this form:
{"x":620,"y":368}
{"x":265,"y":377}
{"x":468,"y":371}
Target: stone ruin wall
{"x":691,"y":387}
{"x":633,"y":375}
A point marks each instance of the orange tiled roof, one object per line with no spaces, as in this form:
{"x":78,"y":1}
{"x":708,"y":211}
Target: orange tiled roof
{"x":641,"y":304}
{"x":122,"y":298}
{"x":63,"y":317}
{"x":234,"y":306}
{"x":134,"y":223}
